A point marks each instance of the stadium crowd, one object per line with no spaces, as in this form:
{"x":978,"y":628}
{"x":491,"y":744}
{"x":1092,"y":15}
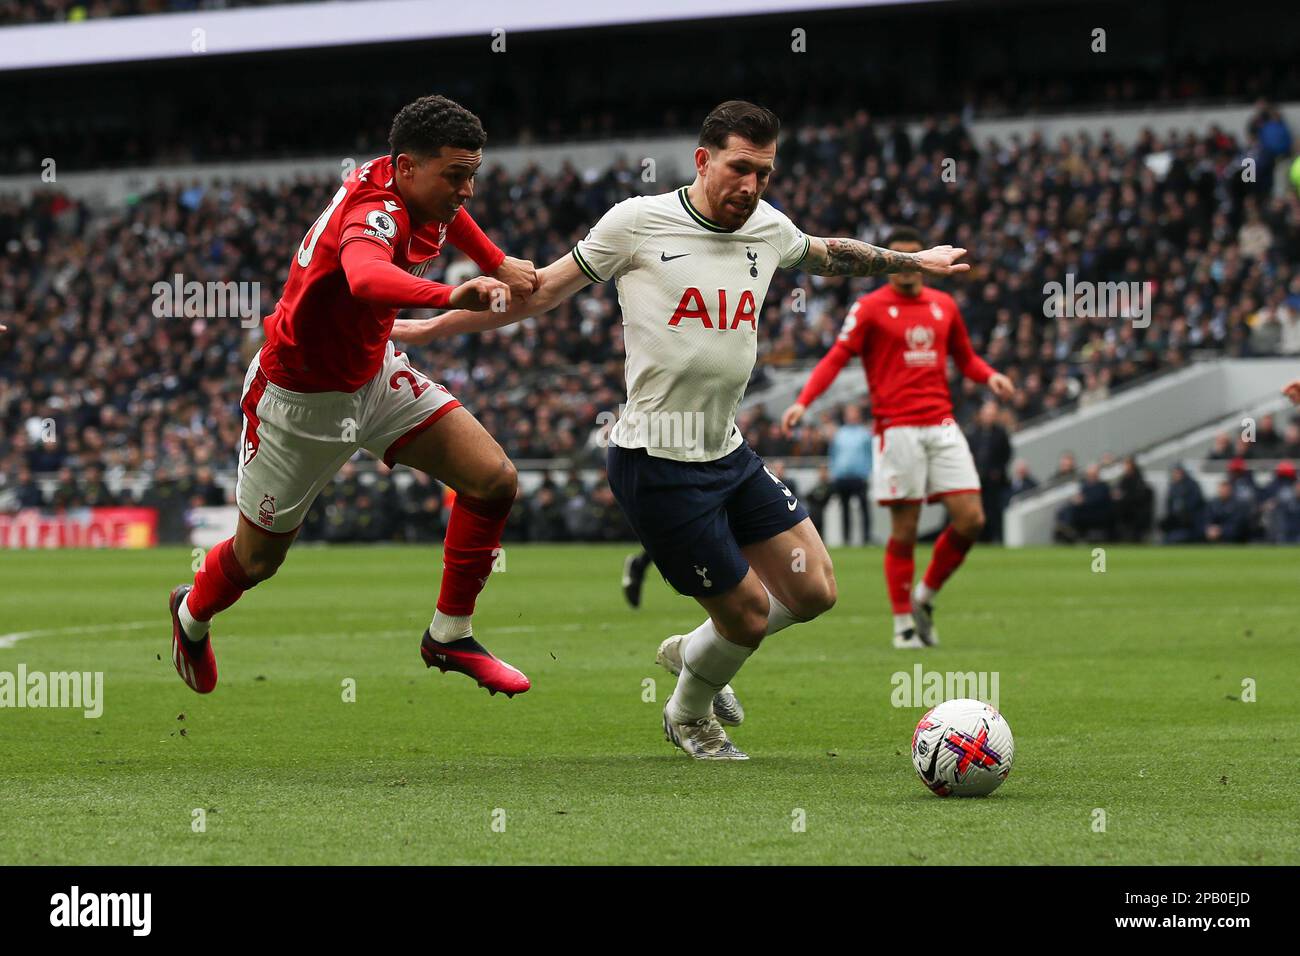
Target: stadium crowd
{"x":1251,"y":502}
{"x":92,"y":382}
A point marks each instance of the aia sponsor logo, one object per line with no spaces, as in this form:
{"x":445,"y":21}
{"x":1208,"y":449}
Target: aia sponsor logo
{"x":693,"y":305}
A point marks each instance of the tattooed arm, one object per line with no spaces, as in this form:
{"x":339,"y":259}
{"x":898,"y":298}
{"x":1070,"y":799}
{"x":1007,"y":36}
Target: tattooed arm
{"x":849,"y":257}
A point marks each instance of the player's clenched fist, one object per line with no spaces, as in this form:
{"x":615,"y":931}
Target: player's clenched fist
{"x":1292,"y":391}
{"x":791,"y":418}
{"x":481,"y":293}
{"x":942,"y":261}
{"x":519,"y":274}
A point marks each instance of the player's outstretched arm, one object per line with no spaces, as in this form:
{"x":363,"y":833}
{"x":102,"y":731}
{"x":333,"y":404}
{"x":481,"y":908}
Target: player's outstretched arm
{"x":555,"y":283}
{"x":849,"y":257}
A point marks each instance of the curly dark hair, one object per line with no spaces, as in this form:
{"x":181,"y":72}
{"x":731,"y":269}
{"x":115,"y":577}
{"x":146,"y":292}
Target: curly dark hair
{"x":424,"y":127}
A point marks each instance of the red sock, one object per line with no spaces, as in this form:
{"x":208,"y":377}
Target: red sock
{"x":472,"y":544}
{"x":219,"y":583}
{"x":949,"y":552}
{"x":899,"y":568}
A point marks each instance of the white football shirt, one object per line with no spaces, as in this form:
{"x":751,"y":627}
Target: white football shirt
{"x":691,"y":293}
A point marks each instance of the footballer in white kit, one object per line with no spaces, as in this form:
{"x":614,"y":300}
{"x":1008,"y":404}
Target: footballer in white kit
{"x":692,"y":268}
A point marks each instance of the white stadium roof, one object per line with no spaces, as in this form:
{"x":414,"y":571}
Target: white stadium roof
{"x":307,"y":25}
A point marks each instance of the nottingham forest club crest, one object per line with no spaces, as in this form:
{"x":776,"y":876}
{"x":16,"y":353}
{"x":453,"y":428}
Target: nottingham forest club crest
{"x":266,"y":511}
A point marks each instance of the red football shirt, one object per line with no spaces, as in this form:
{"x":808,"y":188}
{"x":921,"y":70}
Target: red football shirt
{"x":322,"y":338}
{"x":904,"y":343}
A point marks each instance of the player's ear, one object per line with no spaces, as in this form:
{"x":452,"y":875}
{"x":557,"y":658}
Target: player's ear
{"x":702,"y":157}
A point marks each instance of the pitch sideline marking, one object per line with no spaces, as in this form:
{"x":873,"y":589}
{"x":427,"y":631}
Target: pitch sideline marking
{"x":9,"y":640}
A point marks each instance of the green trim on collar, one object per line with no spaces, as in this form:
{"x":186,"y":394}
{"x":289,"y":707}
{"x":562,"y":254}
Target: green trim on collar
{"x":699,"y":217}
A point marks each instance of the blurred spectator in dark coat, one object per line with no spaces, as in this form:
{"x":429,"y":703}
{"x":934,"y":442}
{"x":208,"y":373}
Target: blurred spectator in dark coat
{"x":991,"y":448}
{"x":1022,"y":480}
{"x":1184,"y":520}
{"x":1290,"y":441}
{"x":1066,"y":466}
{"x":67,"y":493}
{"x":1228,"y":517}
{"x":206,"y":487}
{"x":168,"y":493}
{"x":1268,"y":443}
{"x":1134,"y":504}
{"x":1090,"y":515}
{"x":546,"y":516}
{"x":1221,"y":450}
{"x":816,"y":499}
{"x":423,"y":518}
{"x":94,"y":490}
{"x":1246,"y":490}
{"x":1281,"y":509}
{"x":27,"y":493}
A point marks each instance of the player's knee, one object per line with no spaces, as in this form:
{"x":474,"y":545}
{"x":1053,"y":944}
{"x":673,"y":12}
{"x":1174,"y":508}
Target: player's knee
{"x":503,"y":482}
{"x":815,"y":598}
{"x":972,"y":525}
{"x":752,"y":628}
{"x":904,"y":532}
{"x":260,"y":566}
{"x":824,"y":596}
{"x":747,"y":624}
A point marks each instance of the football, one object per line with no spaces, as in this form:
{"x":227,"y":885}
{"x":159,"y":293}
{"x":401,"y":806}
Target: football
{"x":962,"y":748}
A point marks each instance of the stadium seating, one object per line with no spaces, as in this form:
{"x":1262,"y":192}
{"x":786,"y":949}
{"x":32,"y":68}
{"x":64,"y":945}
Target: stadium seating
{"x":139,"y":395}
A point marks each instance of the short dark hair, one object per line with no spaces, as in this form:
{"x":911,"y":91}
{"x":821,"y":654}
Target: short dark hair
{"x":424,"y":127}
{"x":747,"y":120}
{"x":904,"y":234}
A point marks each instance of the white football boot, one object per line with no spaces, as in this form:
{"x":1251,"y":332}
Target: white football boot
{"x":908,"y":640}
{"x":726,"y":706}
{"x":923,"y":615}
{"x":703,"y":739}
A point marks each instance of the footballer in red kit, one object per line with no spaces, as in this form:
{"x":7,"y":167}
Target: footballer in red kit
{"x":328,"y":382}
{"x":904,"y":334}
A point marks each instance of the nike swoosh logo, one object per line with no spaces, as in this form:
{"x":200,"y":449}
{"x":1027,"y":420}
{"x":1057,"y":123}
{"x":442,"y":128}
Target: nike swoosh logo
{"x":792,"y":504}
{"x":665,"y":257}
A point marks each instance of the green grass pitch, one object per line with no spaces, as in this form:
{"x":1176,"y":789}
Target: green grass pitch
{"x":1124,"y":690}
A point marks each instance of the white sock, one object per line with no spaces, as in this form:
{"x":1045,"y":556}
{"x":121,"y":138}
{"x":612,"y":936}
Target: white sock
{"x":445,"y":628}
{"x":903,"y":622}
{"x":709,"y":662}
{"x":778,"y":616}
{"x":194,"y":630}
{"x":924,"y":594}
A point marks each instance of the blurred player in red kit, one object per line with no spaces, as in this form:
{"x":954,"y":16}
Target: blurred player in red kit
{"x":328,"y":381}
{"x":904,"y":333}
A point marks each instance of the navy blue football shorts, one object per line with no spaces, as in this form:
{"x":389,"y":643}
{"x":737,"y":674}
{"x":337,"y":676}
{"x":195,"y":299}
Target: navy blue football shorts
{"x":694,"y":517}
